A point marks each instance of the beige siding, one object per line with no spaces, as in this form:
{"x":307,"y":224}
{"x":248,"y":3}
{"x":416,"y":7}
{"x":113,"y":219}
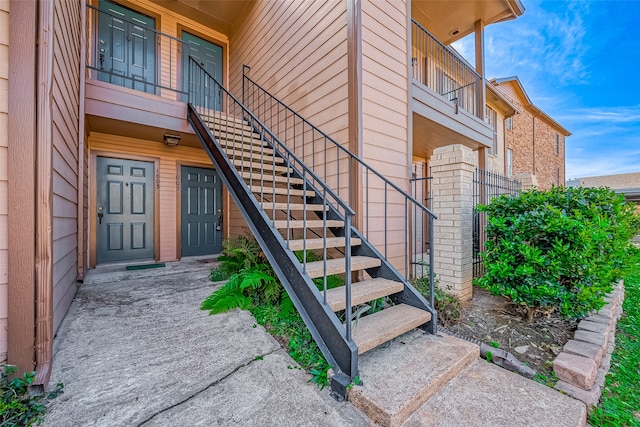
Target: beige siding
{"x":298,"y":52}
{"x":65,"y":112}
{"x":385,"y":116}
{"x":4,"y":142}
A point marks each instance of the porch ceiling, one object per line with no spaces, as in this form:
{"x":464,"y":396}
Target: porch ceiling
{"x":428,"y":135}
{"x":444,"y":18}
{"x":218,"y":14}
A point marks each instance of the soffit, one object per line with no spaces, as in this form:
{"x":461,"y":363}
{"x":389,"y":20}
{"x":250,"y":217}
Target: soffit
{"x":444,"y":18}
{"x":220,"y":15}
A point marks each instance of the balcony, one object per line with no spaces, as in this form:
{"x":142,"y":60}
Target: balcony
{"x":448,"y":96}
{"x":136,"y":74}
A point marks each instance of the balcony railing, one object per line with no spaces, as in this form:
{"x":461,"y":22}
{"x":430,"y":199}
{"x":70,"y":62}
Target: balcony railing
{"x":445,"y":72}
{"x":128,"y":54}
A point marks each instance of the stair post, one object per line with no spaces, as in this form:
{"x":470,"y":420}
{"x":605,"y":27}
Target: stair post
{"x":452,"y":169}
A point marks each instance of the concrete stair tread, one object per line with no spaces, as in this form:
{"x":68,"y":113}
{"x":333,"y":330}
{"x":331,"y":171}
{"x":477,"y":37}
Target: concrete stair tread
{"x":256,"y":166}
{"x":282,"y":206}
{"x":256,"y":158}
{"x":362,"y":292}
{"x":375,"y":329}
{"x":337,"y":265}
{"x":267,"y":190}
{"x":241,"y":146}
{"x":310,"y":223}
{"x":485,"y":394}
{"x":402,"y":376}
{"x":257,"y":178}
{"x":330,"y":242}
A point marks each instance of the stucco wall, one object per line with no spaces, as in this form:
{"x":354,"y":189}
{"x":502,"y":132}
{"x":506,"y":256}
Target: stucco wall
{"x":4,"y":142}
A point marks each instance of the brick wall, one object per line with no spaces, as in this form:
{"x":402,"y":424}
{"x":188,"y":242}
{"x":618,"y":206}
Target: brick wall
{"x":533,"y":142}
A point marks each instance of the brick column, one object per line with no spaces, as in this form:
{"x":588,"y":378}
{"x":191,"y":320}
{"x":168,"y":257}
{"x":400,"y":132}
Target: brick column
{"x":528,"y":180}
{"x":452,"y":169}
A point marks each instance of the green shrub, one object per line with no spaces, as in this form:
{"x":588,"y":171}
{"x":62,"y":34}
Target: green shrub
{"x":560,"y":249}
{"x":17,"y":406}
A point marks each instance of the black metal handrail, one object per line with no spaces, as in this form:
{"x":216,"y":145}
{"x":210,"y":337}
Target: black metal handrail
{"x":218,"y":116}
{"x":442,"y":70}
{"x":326,"y":156}
{"x":165,"y":73}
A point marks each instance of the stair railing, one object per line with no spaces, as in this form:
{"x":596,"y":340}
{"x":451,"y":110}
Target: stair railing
{"x":217,"y":116}
{"x":388,"y":210}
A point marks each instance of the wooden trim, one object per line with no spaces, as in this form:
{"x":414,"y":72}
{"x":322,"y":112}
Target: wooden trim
{"x":354,"y":87}
{"x":44,"y":197}
{"x":21,"y":171}
{"x":93,"y":194}
{"x":82,"y":260}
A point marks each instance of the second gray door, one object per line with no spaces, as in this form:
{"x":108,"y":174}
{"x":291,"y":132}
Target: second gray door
{"x":201,"y":212}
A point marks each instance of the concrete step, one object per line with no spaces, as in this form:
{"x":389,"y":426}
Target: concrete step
{"x":310,"y":223}
{"x":282,"y":206}
{"x":223,"y":121}
{"x":257,"y":167}
{"x":256,"y":177}
{"x":244,"y":144}
{"x":256,"y":158}
{"x":375,"y":329}
{"x":486,"y":395}
{"x":337,"y":266}
{"x":329,"y":242}
{"x":269,"y":190}
{"x":401,"y":377}
{"x":362,"y":292}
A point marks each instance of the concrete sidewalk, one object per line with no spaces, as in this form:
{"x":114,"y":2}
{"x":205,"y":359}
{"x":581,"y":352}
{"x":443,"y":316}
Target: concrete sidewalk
{"x":135,"y":349}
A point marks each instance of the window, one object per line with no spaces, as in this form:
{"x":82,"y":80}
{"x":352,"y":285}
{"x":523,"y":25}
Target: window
{"x":509,"y":162}
{"x":557,"y":144}
{"x":508,"y":123}
{"x":491,"y":118}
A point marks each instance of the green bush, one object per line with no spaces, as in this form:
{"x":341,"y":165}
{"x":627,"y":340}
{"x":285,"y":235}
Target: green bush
{"x":17,"y":406}
{"x":560,"y":249}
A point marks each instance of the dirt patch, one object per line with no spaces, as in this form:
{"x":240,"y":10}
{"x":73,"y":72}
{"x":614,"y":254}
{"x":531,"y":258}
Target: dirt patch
{"x":496,"y":321}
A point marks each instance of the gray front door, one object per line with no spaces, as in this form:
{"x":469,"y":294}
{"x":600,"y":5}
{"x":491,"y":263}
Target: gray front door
{"x":201,"y":212}
{"x":126,"y":48}
{"x":209,"y":56}
{"x":125,"y":210}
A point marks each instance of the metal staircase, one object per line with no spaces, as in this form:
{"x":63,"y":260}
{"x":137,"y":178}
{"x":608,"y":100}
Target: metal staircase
{"x":289,"y":207}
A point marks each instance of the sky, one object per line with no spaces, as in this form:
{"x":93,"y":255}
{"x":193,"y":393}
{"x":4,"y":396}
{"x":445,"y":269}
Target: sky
{"x":579,"y":61}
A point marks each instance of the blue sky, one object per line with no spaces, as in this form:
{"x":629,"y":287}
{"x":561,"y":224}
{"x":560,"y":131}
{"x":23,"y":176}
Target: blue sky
{"x":579,"y":61}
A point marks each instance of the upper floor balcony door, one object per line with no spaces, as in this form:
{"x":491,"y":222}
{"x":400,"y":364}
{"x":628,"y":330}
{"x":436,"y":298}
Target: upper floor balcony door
{"x":209,"y":56}
{"x":126,"y":48}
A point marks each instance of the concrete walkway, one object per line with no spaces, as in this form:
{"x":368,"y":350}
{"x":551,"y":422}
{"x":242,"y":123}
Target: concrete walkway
{"x":135,"y":349}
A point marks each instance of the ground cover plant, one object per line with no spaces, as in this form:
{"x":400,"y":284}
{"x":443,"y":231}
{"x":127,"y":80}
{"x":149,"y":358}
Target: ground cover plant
{"x":252,"y":285}
{"x":557,"y":250}
{"x":17,"y":406}
{"x":620,"y":401}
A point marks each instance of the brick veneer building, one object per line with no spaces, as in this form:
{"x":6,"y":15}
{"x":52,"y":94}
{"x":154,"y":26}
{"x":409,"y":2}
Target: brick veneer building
{"x":535,"y":143}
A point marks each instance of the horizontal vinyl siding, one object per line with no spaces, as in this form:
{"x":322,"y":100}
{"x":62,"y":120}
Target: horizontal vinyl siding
{"x":4,"y":179}
{"x":385,"y":120}
{"x":298,"y":52}
{"x":65,"y":114}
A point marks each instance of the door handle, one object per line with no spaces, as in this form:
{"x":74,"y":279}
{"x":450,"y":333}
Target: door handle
{"x":100,"y":215}
{"x":220,"y":219}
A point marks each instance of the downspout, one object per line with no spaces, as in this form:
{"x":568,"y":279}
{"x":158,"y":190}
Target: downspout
{"x":82,"y":255}
{"x":44,"y":196}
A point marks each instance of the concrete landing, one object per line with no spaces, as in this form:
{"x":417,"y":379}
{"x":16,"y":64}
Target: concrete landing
{"x":487,"y":395}
{"x":400,"y":377}
{"x":135,"y":349}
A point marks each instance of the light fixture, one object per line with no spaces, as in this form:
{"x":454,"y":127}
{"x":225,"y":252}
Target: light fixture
{"x":171,"y":140}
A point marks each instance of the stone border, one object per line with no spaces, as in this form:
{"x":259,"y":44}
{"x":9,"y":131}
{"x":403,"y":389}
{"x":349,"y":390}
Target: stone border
{"x":586,"y":359}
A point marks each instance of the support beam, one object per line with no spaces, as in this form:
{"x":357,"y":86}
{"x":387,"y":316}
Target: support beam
{"x":482,"y":90}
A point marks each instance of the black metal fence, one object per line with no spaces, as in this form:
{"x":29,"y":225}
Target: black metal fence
{"x":486,"y":186}
{"x":420,"y":186}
